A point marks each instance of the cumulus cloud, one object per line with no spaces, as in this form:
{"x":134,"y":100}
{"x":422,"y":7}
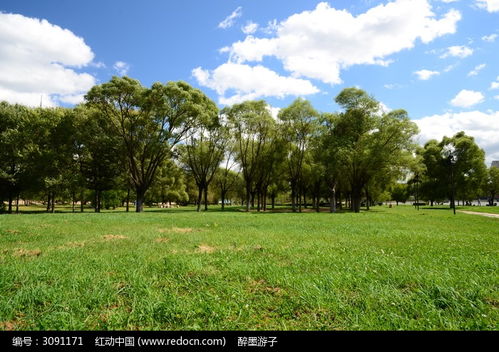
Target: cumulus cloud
{"x":244,"y":82}
{"x":42,"y":61}
{"x":121,"y":68}
{"x":489,"y":5}
{"x":230,"y":20}
{"x":319,"y":43}
{"x":467,"y":98}
{"x":476,"y":70}
{"x":484,"y":127}
{"x":460,"y":51}
{"x":425,"y":75}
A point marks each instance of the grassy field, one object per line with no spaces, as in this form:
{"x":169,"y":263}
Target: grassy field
{"x":177,"y":269}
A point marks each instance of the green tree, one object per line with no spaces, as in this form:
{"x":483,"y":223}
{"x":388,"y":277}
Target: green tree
{"x":253,"y":130}
{"x":399,"y":193}
{"x":99,"y":153}
{"x":299,"y":123}
{"x":202,"y":155}
{"x":492,"y":184}
{"x":464,"y":164}
{"x":369,"y":142}
{"x":149,"y":122}
{"x":15,"y":149}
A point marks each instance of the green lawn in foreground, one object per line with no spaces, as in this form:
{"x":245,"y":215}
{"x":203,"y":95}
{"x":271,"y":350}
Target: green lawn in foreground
{"x":177,"y":269}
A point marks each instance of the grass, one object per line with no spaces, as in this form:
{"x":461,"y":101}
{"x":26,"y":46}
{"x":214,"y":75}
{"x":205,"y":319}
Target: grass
{"x":177,"y":269}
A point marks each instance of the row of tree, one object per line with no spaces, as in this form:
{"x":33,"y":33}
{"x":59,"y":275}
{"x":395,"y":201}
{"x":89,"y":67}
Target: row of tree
{"x":170,"y":142}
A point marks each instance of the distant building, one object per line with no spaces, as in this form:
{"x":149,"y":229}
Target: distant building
{"x":495,"y":163}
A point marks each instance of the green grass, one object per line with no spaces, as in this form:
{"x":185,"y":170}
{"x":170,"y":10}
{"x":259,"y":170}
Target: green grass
{"x":177,"y":269}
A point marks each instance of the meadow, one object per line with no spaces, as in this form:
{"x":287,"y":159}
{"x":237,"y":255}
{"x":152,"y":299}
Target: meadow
{"x":172,"y":269}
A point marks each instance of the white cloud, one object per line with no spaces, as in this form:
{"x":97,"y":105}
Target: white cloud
{"x":476,"y":70}
{"x":467,"y":98}
{"x":484,"y":127}
{"x":426,"y":74}
{"x":319,"y":43}
{"x":489,"y":38}
{"x":460,"y":51}
{"x":250,"y":28}
{"x":496,"y":97}
{"x":230,"y":20}
{"x":244,"y":82}
{"x":121,"y":68}
{"x":39,"y":61}
{"x":489,"y":5}
{"x":495,"y":85}
{"x":274,"y":111}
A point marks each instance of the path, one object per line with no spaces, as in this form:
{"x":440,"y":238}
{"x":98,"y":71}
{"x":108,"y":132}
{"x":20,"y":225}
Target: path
{"x":477,"y":213}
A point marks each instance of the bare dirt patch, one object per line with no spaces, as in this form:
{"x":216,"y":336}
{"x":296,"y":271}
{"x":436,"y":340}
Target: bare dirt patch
{"x":8,"y":325}
{"x":177,"y":230}
{"x":14,"y":232}
{"x":262,"y":286}
{"x":114,"y":237}
{"x":204,"y":248}
{"x":162,"y":240}
{"x":22,"y":252}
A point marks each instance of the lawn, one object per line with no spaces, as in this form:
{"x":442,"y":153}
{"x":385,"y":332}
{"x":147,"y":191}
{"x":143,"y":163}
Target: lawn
{"x":176,"y":269}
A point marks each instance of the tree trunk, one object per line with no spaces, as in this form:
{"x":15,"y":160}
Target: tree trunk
{"x":128,"y":199}
{"x":356,"y":198}
{"x":52,"y":209}
{"x":9,"y":209}
{"x":367,"y":198}
{"x":265,"y":200}
{"x":17,"y":204}
{"x":48,"y":201}
{"x":222,"y":195}
{"x":139,"y":205}
{"x":96,"y":201}
{"x":200,"y":198}
{"x":205,"y":198}
{"x":273,"y":201}
{"x":332,"y":201}
{"x":81,"y":201}
{"x":293,"y":198}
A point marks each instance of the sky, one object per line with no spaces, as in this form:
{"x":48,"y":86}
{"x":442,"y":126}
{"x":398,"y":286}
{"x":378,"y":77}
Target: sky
{"x":437,"y":59}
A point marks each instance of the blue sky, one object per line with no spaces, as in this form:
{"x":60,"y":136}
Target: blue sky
{"x":438,"y":59}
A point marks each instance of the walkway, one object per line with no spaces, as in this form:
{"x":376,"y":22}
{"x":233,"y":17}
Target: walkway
{"x":477,"y":213}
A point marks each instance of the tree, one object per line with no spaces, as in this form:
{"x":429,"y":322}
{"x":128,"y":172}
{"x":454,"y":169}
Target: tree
{"x":433,"y":177}
{"x":369,"y":142}
{"x":15,"y":148}
{"x":202,"y":155}
{"x":149,"y":122}
{"x":464,"y":165}
{"x":169,"y":186}
{"x":299,"y":122}
{"x":253,"y":129}
{"x":98,"y":153}
{"x":492,"y":184}
{"x":225,"y":177}
{"x":399,"y":193}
